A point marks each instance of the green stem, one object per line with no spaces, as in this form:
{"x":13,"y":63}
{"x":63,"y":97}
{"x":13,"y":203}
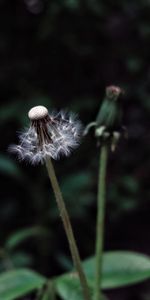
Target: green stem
{"x":100,"y":221}
{"x":68,"y":229}
{"x":50,"y":292}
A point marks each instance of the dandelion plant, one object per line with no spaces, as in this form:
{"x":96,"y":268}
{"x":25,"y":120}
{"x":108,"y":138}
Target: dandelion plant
{"x":49,"y":137}
{"x":107,"y":132}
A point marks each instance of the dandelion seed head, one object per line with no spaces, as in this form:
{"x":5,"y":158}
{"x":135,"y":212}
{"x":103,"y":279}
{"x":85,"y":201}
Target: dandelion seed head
{"x":49,"y":135}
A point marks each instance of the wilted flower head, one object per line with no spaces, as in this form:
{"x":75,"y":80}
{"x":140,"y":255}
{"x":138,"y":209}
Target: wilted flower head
{"x":49,"y":135}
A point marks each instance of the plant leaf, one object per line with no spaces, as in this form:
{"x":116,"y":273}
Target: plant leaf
{"x":17,"y":283}
{"x":68,"y":287}
{"x":120,"y":268}
{"x":21,"y":235}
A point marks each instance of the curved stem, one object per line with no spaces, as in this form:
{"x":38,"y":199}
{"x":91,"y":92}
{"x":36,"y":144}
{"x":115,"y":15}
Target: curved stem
{"x":68,"y":229}
{"x":100,"y":221}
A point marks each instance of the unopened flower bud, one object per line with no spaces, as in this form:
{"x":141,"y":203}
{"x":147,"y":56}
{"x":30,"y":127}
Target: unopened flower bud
{"x":113,"y":92}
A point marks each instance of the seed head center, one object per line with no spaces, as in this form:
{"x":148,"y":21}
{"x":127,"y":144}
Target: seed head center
{"x":37,"y":113}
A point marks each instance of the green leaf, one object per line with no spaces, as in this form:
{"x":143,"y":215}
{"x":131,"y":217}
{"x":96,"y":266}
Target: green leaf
{"x":68,"y":287}
{"x":17,"y":283}
{"x":21,"y":235}
{"x":120,"y":268}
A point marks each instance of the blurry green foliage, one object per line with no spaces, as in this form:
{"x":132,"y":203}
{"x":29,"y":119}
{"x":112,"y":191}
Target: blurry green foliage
{"x":9,"y":167}
{"x":20,"y":236}
{"x":14,"y":284}
{"x":20,"y":259}
{"x":81,"y":182}
{"x":120,"y":268}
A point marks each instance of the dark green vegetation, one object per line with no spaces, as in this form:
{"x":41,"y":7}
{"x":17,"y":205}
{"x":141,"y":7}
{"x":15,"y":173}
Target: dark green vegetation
{"x":63,"y":57}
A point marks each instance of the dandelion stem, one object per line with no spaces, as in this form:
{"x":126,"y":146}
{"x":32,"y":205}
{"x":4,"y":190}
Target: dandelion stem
{"x":68,"y":229}
{"x":49,"y":292}
{"x":100,"y":222}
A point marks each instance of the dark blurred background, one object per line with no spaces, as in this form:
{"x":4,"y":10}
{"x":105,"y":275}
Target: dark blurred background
{"x":62,"y":54}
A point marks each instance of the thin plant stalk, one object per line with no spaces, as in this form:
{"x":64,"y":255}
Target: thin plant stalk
{"x":50,"y":292}
{"x":100,"y":221}
{"x":68,"y":229}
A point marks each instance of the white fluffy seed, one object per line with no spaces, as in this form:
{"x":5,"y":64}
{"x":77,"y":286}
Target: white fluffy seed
{"x":37,"y":112}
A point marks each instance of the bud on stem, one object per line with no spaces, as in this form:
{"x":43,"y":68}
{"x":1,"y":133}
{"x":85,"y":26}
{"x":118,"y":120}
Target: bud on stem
{"x":108,"y":110}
